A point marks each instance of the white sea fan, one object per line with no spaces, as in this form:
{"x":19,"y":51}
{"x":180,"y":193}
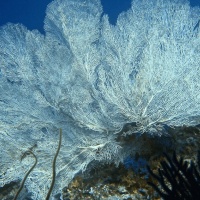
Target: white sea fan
{"x":91,"y":78}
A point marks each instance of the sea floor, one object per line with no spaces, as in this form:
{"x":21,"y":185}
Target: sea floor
{"x":110,"y":182}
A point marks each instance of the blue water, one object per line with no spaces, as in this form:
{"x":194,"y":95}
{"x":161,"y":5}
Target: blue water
{"x":31,"y":13}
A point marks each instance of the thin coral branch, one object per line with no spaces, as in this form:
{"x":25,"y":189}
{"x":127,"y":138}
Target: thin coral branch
{"x":54,"y":167}
{"x":27,"y":174}
{"x":178,"y":179}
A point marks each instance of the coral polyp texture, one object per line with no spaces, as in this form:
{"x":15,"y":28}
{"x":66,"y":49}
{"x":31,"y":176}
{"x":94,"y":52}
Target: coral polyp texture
{"x":94,"y":80}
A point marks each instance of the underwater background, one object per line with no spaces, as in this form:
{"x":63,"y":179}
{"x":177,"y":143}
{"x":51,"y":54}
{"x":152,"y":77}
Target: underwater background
{"x":31,"y":13}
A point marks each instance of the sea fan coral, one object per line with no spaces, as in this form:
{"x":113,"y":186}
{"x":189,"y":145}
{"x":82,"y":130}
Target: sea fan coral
{"x":96,"y":81}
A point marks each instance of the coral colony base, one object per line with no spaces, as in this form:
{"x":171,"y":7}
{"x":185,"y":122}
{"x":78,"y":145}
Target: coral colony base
{"x":99,"y":83}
